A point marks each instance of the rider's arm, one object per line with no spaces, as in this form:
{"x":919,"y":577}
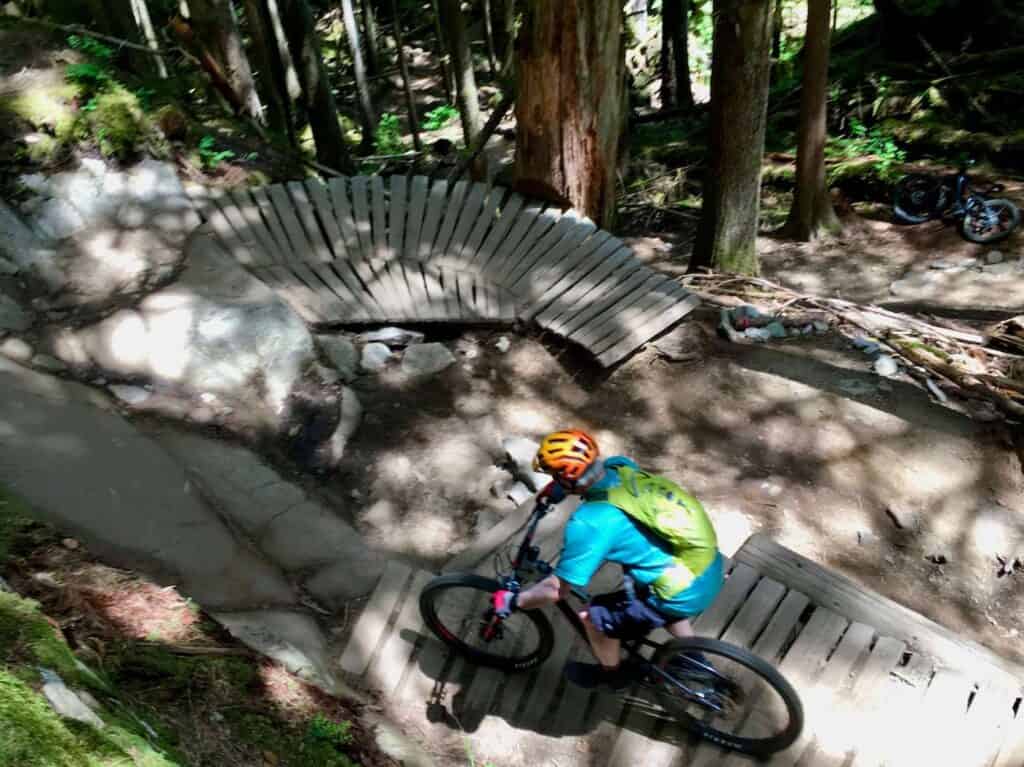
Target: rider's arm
{"x":545,"y":592}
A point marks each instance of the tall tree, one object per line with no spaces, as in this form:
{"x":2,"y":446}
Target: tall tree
{"x":216,"y":31}
{"x":489,"y":34}
{"x":370,"y":35}
{"x":812,"y":213}
{"x":675,"y":55}
{"x":570,"y":101}
{"x":141,"y":13}
{"x":284,"y":54}
{"x":442,"y":55}
{"x":366,"y":114}
{"x":268,"y":67}
{"x":504,"y":17}
{"x":316,"y":94}
{"x":777,"y":30}
{"x":727,"y":233}
{"x":410,"y":102}
{"x":462,"y":65}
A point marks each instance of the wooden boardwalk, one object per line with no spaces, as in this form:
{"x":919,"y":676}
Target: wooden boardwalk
{"x":365,"y":249}
{"x":880,"y":685}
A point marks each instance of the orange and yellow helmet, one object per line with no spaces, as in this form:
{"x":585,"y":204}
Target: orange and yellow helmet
{"x":566,"y":455}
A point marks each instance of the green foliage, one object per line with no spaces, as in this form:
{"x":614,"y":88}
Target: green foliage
{"x":388,"y":137}
{"x":325,"y":742}
{"x":440,"y":117}
{"x":89,"y":76}
{"x":117,"y":123}
{"x":210,"y":156}
{"x":91,"y":47}
{"x":873,"y":142}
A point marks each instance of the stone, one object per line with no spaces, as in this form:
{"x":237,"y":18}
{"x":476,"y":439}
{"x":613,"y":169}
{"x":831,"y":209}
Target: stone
{"x":375,"y":357}
{"x":426,"y":359}
{"x":131,"y":395}
{"x":12,"y":316}
{"x":353,"y":575}
{"x":993,"y":257}
{"x":503,"y":344}
{"x":7,"y":268}
{"x":65,"y":701}
{"x":519,"y":493}
{"x":49,"y":364}
{"x":58,"y":219}
{"x":903,"y":518}
{"x":886,"y":366}
{"x":16,"y":349}
{"x":855,"y":387}
{"x":36,"y":182}
{"x":485,"y":520}
{"x":520,"y":452}
{"x":342,"y":354}
{"x":310,"y":535}
{"x":1002,"y":269}
{"x":32,"y":255}
{"x":392,"y":741}
{"x":350,"y":415}
{"x":395,"y":338}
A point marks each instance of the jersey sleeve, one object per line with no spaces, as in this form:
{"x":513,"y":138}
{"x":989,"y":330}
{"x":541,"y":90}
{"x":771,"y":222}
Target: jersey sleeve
{"x":583,"y":550}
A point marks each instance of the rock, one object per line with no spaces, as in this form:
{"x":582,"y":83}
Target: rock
{"x":426,"y":359}
{"x":519,"y":493}
{"x":8,"y":269}
{"x":375,"y":357}
{"x":993,"y":257}
{"x":855,"y":387}
{"x":342,"y":354}
{"x":58,"y":219}
{"x":16,"y":349}
{"x":886,"y":366}
{"x":395,"y":338}
{"x":500,"y":487}
{"x":902,"y":517}
{"x":350,"y":414}
{"x":12,"y":316}
{"x":48,"y":363}
{"x":867,"y":346}
{"x":392,"y":741}
{"x":520,"y":453}
{"x":70,"y":543}
{"x":132,"y":395}
{"x":485,"y":520}
{"x":1002,"y":269}
{"x":352,"y":576}
{"x":65,"y":701}
{"x":937,"y":558}
{"x":503,"y":344}
{"x":327,"y":376}
{"x":36,"y":182}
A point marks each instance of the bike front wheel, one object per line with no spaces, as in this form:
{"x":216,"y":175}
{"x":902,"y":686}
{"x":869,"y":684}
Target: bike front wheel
{"x":725,"y":694}
{"x":457,"y":608}
{"x":991,"y":221}
{"x":918,"y":198}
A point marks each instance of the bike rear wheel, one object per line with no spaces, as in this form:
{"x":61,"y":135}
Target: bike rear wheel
{"x":918,"y":198}
{"x":725,"y":694}
{"x":457,"y":608}
{"x":992,"y":221}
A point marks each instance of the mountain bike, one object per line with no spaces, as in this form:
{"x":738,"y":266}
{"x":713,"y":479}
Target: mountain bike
{"x":712,"y":688}
{"x":920,"y":197}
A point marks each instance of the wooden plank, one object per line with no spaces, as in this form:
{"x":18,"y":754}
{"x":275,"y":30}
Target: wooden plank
{"x":757,"y":610}
{"x":417,"y":289}
{"x":346,"y":222}
{"x":487,"y":218}
{"x":300,"y":246}
{"x":467,"y":219}
{"x":451,"y":293}
{"x":647,"y":330}
{"x":1011,"y":750}
{"x":245,"y":218}
{"x":451,"y":216}
{"x":389,"y":664}
{"x":346,"y":271}
{"x":600,"y":275}
{"x":299,"y":297}
{"x":389,"y":297}
{"x":396,"y":217}
{"x":379,"y":214}
{"x":567,"y":225}
{"x":361,"y":215}
{"x":988,"y":720}
{"x":853,"y":711}
{"x":620,"y":313}
{"x":414,"y":228}
{"x":552,"y":266}
{"x":832,"y":590}
{"x":464,"y":287}
{"x":320,"y":251}
{"x":233,"y":243}
{"x":505,"y":219}
{"x":431,"y":222}
{"x":435,"y":307}
{"x":656,"y":301}
{"x":324,"y":212}
{"x":588,"y":320}
{"x":713,"y":621}
{"x":581,"y":262}
{"x":284,"y":246}
{"x":373,"y":622}
{"x":529,"y":224}
{"x":626,"y":277}
{"x":353,"y":308}
{"x":331,"y":306}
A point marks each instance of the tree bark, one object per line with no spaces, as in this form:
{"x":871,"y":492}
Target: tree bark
{"x":442,"y":56}
{"x":727,"y":233}
{"x":675,"y":55}
{"x":570,"y":101}
{"x":366,"y":114}
{"x":370,"y":32}
{"x":812,"y":213}
{"x":269,"y":69}
{"x":462,"y":66}
{"x":410,"y":102}
{"x":316,"y":90}
{"x":216,"y":30}
{"x":291,"y":76}
{"x":777,"y":30}
{"x":489,"y":34}
{"x":141,"y":13}
{"x":504,"y":33}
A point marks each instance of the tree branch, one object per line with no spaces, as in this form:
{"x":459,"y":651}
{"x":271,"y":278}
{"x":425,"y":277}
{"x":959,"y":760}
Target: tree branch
{"x":484,"y":136}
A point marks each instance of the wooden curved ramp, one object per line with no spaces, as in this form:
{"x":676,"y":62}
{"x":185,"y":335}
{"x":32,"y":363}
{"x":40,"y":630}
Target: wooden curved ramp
{"x":365,"y":249}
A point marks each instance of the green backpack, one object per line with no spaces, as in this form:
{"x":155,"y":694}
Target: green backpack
{"x":675,"y":516}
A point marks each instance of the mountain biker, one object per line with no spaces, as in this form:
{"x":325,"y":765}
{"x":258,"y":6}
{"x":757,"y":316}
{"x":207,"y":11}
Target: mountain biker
{"x":665,"y":585}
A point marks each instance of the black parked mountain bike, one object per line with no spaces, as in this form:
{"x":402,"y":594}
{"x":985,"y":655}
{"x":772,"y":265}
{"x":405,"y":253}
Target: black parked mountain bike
{"x":715,"y":689}
{"x":920,"y":197}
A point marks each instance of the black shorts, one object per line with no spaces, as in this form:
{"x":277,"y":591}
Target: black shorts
{"x":618,"y":616}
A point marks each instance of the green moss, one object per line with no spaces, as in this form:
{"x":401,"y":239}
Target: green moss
{"x":32,"y":734}
{"x":782,"y":175}
{"x":117,"y":123}
{"x":46,"y":107}
{"x":15,"y":521}
{"x":323,"y":743}
{"x":168,"y":675}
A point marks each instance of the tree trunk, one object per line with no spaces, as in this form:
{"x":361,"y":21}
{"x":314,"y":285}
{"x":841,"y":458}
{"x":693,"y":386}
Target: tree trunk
{"x":489,"y":34}
{"x":835,"y":15}
{"x":370,"y":32}
{"x":727,"y":233}
{"x":366,"y":115}
{"x":777,"y":30}
{"x":141,"y":13}
{"x":269,"y":70}
{"x":812,"y":213}
{"x":504,"y":33}
{"x":675,"y":56}
{"x":410,"y":102}
{"x":462,"y":66}
{"x":316,"y":90}
{"x":442,"y":56}
{"x":284,"y":54}
{"x":216,"y":30}
{"x":570,"y":101}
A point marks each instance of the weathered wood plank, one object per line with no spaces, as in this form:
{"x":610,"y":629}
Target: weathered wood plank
{"x":436,"y":204}
{"x":361,"y":215}
{"x":304,"y":301}
{"x":369,"y":629}
{"x":584,"y":323}
{"x":244,"y":216}
{"x":396,"y":217}
{"x":229,"y":237}
{"x":354,"y":308}
{"x":648,"y":329}
{"x":569,"y":224}
{"x":284,"y":247}
{"x":626,"y":277}
{"x":525,"y":224}
{"x":713,"y":621}
{"x":988,"y":719}
{"x":656,"y":301}
{"x":505,"y":219}
{"x":390,"y":662}
{"x":331,"y":306}
{"x":320,"y":251}
{"x":451,"y":217}
{"x":564,"y":296}
{"x":417,"y":204}
{"x":551,"y":266}
{"x":487,"y":218}
{"x":583,"y":260}
{"x":456,"y":250}
{"x":833,"y":590}
{"x":1011,"y":750}
{"x":300,"y":246}
{"x":435,"y":292}
{"x":346,"y":222}
{"x":391,"y":298}
{"x":325,"y":215}
{"x":413,"y":271}
{"x":379,"y":214}
{"x":621,"y":313}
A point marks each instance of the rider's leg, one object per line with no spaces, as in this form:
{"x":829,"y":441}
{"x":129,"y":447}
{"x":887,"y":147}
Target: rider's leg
{"x":681,"y":629}
{"x":608,"y":651}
